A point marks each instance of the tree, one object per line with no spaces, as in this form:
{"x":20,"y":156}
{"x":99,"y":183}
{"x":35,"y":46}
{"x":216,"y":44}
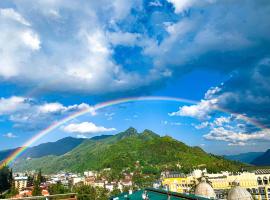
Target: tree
{"x":58,"y":189}
{"x":30,"y":181}
{"x":12,"y":192}
{"x":103,"y":194}
{"x":86,"y":192}
{"x":5,"y":178}
{"x":36,"y":190}
{"x":40,"y":178}
{"x":115,"y":191}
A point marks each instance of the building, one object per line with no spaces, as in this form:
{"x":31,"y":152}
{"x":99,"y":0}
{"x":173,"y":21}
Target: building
{"x":20,"y":182}
{"x":178,"y":182}
{"x":156,"y":194}
{"x":257,"y":182}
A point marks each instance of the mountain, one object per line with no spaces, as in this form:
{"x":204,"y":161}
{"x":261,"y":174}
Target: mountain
{"x":57,"y":148}
{"x":125,"y":150}
{"x":5,"y":153}
{"x":244,"y":157}
{"x":262,"y":160}
{"x":100,"y":137}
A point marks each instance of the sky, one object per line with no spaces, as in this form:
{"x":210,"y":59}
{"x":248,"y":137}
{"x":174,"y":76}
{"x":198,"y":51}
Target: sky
{"x":58,"y":57}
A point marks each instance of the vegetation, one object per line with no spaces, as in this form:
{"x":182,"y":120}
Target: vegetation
{"x":5,"y":179}
{"x":88,"y":192}
{"x":58,"y":189}
{"x":37,"y":189}
{"x":129,"y":151}
{"x":7,"y":187}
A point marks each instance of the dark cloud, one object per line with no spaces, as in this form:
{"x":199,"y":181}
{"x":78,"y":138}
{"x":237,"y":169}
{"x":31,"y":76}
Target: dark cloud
{"x":248,"y":92}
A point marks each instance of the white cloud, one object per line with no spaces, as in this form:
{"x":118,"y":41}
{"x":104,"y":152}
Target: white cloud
{"x":123,"y":38}
{"x":31,"y":39}
{"x":13,"y":104}
{"x":202,"y":125}
{"x":182,"y":5}
{"x":89,"y":69}
{"x":51,"y":107}
{"x":86,"y":128}
{"x":10,"y":13}
{"x":18,"y":42}
{"x":10,"y":135}
{"x":200,"y":111}
{"x":236,"y":138}
{"x":28,"y":113}
{"x":155,"y":3}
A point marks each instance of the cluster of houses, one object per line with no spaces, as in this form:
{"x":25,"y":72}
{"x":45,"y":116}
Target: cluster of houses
{"x":90,"y":178}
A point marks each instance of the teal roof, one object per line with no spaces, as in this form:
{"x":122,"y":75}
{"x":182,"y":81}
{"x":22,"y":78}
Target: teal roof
{"x":157,"y":194}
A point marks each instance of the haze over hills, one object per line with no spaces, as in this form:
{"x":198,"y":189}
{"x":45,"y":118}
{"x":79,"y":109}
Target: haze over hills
{"x":262,"y":160}
{"x":123,"y":150}
{"x":57,"y":148}
{"x":244,"y":157}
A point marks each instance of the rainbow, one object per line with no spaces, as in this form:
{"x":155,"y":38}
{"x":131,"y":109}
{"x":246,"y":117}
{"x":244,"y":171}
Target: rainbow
{"x":11,"y":158}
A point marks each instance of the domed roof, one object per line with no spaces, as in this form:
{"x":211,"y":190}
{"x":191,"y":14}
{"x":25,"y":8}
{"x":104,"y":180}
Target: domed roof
{"x":238,"y":193}
{"x":204,"y":189}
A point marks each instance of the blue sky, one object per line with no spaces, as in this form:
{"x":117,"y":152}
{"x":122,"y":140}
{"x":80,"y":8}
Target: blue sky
{"x":58,"y":57}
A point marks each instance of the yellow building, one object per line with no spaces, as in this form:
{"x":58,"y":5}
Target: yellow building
{"x":256,"y":183}
{"x":178,"y":182}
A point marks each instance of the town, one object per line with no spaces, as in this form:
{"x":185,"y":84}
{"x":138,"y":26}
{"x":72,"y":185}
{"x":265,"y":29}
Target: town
{"x":255,"y":183}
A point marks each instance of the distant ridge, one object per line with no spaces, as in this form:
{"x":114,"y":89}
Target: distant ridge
{"x":57,"y":148}
{"x":244,"y":157}
{"x":5,"y":153}
{"x":100,"y":137}
{"x":262,"y":160}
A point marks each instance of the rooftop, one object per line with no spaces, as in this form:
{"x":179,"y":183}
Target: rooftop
{"x":156,"y":194}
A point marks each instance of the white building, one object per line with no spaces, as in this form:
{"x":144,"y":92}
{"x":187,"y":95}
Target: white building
{"x":20,"y":182}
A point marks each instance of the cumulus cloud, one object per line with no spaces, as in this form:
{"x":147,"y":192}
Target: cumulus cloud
{"x":236,"y":138}
{"x":89,"y":69}
{"x":28,"y":113}
{"x":174,"y":44}
{"x":85,"y":128}
{"x":247,"y":93}
{"x":200,"y":110}
{"x":13,"y":104}
{"x":10,"y":135}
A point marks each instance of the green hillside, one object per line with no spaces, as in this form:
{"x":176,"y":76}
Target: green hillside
{"x":127,"y":150}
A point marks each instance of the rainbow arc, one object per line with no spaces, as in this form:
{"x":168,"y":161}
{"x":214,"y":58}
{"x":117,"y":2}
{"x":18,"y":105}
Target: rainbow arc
{"x":16,"y":154}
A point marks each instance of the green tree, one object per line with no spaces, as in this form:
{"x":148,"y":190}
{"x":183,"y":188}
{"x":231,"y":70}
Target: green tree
{"x":58,"y":189}
{"x":30,"y":181}
{"x":103,"y":194}
{"x":5,"y":178}
{"x":115,"y":191}
{"x":86,"y":192}
{"x":36,"y":190}
{"x":13,"y":191}
{"x":40,"y":178}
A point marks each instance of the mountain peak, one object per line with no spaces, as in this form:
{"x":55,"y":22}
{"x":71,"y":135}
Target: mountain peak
{"x":131,"y":131}
{"x":148,"y":134}
{"x":127,"y":133}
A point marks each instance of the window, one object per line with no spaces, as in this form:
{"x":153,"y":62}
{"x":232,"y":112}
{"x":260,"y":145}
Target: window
{"x":259,"y":180}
